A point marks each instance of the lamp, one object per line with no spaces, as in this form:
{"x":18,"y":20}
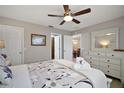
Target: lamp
{"x":68,"y":18}
{"x":104,"y":43}
{"x":2,"y":44}
{"x":75,"y":42}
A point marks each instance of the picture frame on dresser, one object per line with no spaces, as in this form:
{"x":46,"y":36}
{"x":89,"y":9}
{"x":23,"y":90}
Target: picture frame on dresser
{"x":38,"y":40}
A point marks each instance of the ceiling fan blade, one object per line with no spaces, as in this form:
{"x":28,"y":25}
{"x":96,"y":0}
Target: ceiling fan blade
{"x":62,"y":22}
{"x":66,"y":8}
{"x":82,"y":12}
{"x":51,"y":15}
{"x":76,"y":21}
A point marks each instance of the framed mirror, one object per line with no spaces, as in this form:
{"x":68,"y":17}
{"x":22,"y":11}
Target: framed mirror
{"x":105,"y":39}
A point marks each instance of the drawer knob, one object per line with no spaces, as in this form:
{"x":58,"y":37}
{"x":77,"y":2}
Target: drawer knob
{"x":108,"y":65}
{"x":108,"y":71}
{"x":108,"y":60}
{"x":112,"y":55}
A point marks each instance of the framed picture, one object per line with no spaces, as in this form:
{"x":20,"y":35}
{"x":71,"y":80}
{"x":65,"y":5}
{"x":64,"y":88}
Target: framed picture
{"x":38,"y":40}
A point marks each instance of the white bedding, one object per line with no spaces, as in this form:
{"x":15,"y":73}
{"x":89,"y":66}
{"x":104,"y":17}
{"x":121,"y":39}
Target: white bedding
{"x":27,"y":76}
{"x":97,"y":77}
{"x":20,"y":79}
{"x":51,"y":74}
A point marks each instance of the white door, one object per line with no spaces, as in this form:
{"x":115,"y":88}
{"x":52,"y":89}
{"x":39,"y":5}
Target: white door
{"x":68,"y":47}
{"x":57,"y":47}
{"x":14,"y":44}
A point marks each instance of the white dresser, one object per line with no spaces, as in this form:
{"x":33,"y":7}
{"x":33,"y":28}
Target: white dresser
{"x":111,"y":63}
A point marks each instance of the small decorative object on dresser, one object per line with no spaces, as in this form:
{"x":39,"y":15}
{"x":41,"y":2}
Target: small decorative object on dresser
{"x":119,"y":50}
{"x":38,"y":40}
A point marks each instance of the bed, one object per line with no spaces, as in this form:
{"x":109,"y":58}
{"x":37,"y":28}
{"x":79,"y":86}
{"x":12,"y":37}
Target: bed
{"x":55,"y":74}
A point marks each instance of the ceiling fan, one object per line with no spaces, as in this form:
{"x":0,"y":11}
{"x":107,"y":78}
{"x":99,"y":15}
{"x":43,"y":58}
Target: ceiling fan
{"x":69,"y":16}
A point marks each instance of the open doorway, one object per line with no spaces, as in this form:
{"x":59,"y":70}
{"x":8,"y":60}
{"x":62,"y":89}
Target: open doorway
{"x":56,"y":46}
{"x":76,"y":39}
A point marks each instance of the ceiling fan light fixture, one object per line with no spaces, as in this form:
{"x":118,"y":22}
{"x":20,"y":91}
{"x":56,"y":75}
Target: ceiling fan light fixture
{"x":68,"y":18}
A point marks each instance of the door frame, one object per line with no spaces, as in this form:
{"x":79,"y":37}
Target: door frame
{"x":23,"y":48}
{"x":80,"y":36}
{"x":60,"y":53}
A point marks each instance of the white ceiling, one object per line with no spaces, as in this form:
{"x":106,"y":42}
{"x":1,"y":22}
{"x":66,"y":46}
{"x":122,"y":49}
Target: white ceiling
{"x":38,"y":14}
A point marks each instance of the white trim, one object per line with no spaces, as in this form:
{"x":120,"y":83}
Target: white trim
{"x":22,"y":41}
{"x":60,"y":35}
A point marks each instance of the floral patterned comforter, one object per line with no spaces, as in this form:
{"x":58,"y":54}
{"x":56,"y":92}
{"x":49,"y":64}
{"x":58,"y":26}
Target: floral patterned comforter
{"x":49,"y":74}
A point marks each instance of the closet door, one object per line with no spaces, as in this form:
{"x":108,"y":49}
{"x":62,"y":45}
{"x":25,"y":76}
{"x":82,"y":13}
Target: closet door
{"x":14,"y":44}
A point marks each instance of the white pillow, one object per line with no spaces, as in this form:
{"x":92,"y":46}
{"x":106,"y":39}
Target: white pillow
{"x":5,"y":75}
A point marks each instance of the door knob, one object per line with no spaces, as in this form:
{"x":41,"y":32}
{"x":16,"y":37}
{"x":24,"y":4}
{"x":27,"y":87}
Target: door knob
{"x":20,"y":52}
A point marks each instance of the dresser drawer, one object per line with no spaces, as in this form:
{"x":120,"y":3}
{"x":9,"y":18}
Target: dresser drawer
{"x":105,"y":70}
{"x":93,"y":62}
{"x":92,"y":53}
{"x":94,"y":66}
{"x":109,"y":66}
{"x":114,"y":67}
{"x":97,"y":54}
{"x":102,"y":59}
{"x":93,"y":58}
{"x":115,"y":73}
{"x":113,"y":61}
{"x":104,"y":64}
{"x":114,"y":55}
{"x":101,"y":54}
{"x":87,"y":58}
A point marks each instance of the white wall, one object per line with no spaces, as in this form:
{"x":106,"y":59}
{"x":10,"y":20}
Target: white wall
{"x":121,"y":35}
{"x":86,"y":36}
{"x":85,"y":41}
{"x":76,"y":46}
{"x":34,"y":53}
